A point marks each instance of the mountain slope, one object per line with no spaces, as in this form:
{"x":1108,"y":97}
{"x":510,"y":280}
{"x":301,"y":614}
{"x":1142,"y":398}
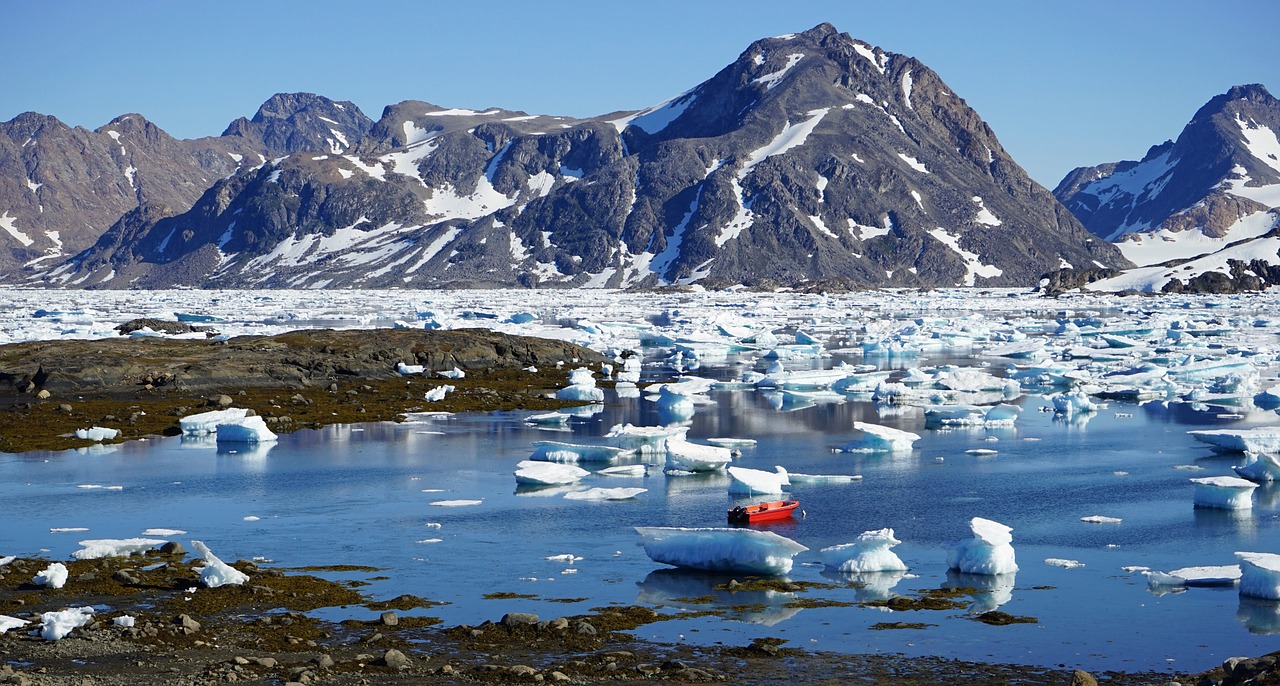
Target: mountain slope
{"x":813,"y":157}
{"x":1218,"y":184}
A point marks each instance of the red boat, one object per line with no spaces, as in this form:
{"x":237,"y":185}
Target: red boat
{"x":763,"y":512}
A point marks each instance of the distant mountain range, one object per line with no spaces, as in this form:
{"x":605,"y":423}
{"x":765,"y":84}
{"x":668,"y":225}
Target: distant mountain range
{"x":1198,"y":213}
{"x":814,"y":161}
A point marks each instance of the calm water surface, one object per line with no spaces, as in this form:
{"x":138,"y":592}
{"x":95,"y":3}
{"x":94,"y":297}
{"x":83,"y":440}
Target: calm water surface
{"x":363,"y":495}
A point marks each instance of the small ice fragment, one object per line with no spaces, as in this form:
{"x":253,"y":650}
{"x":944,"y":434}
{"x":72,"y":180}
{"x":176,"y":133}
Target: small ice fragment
{"x":53,"y":576}
{"x":114,"y":547}
{"x":981,"y":452}
{"x":67,"y":529}
{"x":431,"y":540}
{"x":605,"y":494}
{"x":54,"y":626}
{"x":251,"y":518}
{"x":1060,"y":562}
{"x":455,"y":503}
{"x":454,"y":373}
{"x":567,"y":557}
{"x":408,"y":369}
{"x":1224,"y":492}
{"x":217,"y":573}
{"x":246,"y":430}
{"x":97,"y":434}
{"x":437,"y":394}
{"x":432,"y":525}
{"x":7,"y":623}
{"x":536,"y":473}
{"x":163,"y":532}
{"x":125,"y":621}
{"x":1100,"y":519}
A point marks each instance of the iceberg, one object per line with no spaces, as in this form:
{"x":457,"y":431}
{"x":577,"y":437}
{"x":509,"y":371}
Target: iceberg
{"x":246,"y":430}
{"x":1072,"y":403}
{"x":556,"y":451}
{"x":643,"y":439}
{"x":535,"y":473}
{"x":881,"y":439}
{"x":114,"y":547}
{"x":1259,"y":575}
{"x":1224,"y":492}
{"x":630,"y":370}
{"x":1259,"y":440}
{"x":747,"y":481}
{"x":97,"y":434}
{"x":582,"y":387}
{"x":1259,"y":468}
{"x":745,"y":551}
{"x":673,"y":406}
{"x":868,"y":553}
{"x":1202,"y":576}
{"x":54,"y":626}
{"x":683,"y":456}
{"x":207,"y":422}
{"x":53,"y":576}
{"x":990,"y":551}
{"x":217,"y":573}
{"x":605,"y":494}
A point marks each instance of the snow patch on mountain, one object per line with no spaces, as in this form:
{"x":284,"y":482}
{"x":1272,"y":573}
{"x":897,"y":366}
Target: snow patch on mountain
{"x":1261,"y":142}
{"x":973,"y":265}
{"x":1154,"y":279}
{"x":1146,"y":249}
{"x":772,"y":79}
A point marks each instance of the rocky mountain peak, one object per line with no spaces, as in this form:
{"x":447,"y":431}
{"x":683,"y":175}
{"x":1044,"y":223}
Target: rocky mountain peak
{"x":302,"y":122}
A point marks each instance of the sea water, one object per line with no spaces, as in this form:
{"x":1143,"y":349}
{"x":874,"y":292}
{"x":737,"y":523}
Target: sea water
{"x":367,"y":494}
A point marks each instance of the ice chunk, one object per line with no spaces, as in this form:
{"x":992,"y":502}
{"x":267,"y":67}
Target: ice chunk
{"x":217,"y":573}
{"x":54,"y":626}
{"x":582,"y":386}
{"x":97,"y":434}
{"x":1206,"y":575}
{"x":868,"y":553}
{"x":625,"y":470}
{"x":605,"y":494}
{"x":1100,"y":519}
{"x":1062,"y":562}
{"x":823,"y":478}
{"x":537,"y":473}
{"x":1259,"y":575}
{"x":454,"y":373}
{"x":720,"y":549}
{"x":7,"y":623}
{"x":556,"y":451}
{"x":437,"y":394}
{"x":114,"y":547}
{"x":125,"y":621}
{"x":1224,"y":492}
{"x":630,"y":370}
{"x":673,"y":406}
{"x":990,"y":551}
{"x":409,"y":368}
{"x":1259,"y":467}
{"x":548,"y":419}
{"x":1258,"y":440}
{"x":732,"y":443}
{"x":246,"y":430}
{"x":683,"y":456}
{"x":643,"y":439}
{"x":455,"y":503}
{"x":207,"y":422}
{"x":747,"y":481}
{"x":1268,"y":399}
{"x":881,"y":439}
{"x":1073,"y":403}
{"x":53,"y":576}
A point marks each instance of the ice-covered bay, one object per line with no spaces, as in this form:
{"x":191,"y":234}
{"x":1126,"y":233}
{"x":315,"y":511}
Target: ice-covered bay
{"x":364,"y":494}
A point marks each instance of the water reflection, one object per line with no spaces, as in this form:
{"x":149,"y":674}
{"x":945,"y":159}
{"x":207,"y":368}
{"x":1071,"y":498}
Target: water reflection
{"x":868,"y":586}
{"x":1259,"y":616}
{"x":989,"y":590}
{"x":700,"y":591}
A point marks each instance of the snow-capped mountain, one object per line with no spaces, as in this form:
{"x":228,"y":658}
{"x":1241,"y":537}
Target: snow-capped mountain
{"x":1203,"y":201}
{"x":813,"y":157}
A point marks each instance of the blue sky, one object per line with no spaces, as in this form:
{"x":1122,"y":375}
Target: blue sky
{"x":1062,"y":84}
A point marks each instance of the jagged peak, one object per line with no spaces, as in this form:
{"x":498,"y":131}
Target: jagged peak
{"x":1249,"y":91}
{"x":285,"y":105}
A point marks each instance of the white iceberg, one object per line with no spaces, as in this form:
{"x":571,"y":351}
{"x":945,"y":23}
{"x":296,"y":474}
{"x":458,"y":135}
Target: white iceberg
{"x":536,"y":473}
{"x":881,"y":439}
{"x":114,"y":547}
{"x":1258,"y":440}
{"x":1072,"y":403}
{"x":582,"y":387}
{"x":683,"y":456}
{"x":1259,"y":467}
{"x":1203,"y":576}
{"x":990,"y":551}
{"x":245,"y":430}
{"x":54,"y":626}
{"x":605,"y":494}
{"x":557,"y":451}
{"x":1224,"y":492}
{"x":53,"y":576}
{"x":643,"y":439}
{"x":673,"y":406}
{"x":630,"y":370}
{"x":868,"y":553}
{"x":207,"y":422}
{"x":747,"y":481}
{"x":217,"y":573}
{"x":1259,"y":575}
{"x":745,"y":551}
{"x":97,"y":434}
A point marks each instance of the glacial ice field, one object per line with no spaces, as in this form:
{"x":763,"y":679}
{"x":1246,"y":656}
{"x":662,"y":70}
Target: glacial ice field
{"x":1065,"y":420}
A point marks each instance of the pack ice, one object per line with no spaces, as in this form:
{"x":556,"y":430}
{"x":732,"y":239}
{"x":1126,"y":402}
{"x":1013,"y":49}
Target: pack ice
{"x":745,"y":551}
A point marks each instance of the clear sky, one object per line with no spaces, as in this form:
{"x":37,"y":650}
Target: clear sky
{"x":1062,"y":83}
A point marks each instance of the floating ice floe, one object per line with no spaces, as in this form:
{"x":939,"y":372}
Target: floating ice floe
{"x":1259,"y":467}
{"x":745,"y":551}
{"x":1100,"y":519}
{"x":881,"y":439}
{"x":251,"y":429}
{"x":870,"y":552}
{"x":625,"y":470}
{"x":1072,"y":403}
{"x":683,"y":456}
{"x":1064,"y":563}
{"x":990,"y":551}
{"x":7,"y":623}
{"x":732,"y":443}
{"x":215,"y":572}
{"x":1223,"y":492}
{"x":54,"y":626}
{"x":548,"y":419}
{"x":801,"y":379}
{"x":114,"y":547}
{"x":605,"y":494}
{"x":1258,"y":440}
{"x":1259,"y":575}
{"x":207,"y":422}
{"x":823,"y":478}
{"x":971,"y":415}
{"x":582,"y":386}
{"x":557,"y":451}
{"x":455,"y":503}
{"x":1268,"y":399}
{"x":438,"y":393}
{"x":1201,"y":576}
{"x":747,"y":481}
{"x":53,"y":576}
{"x":536,"y":473}
{"x":97,"y":434}
{"x":643,"y":439}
